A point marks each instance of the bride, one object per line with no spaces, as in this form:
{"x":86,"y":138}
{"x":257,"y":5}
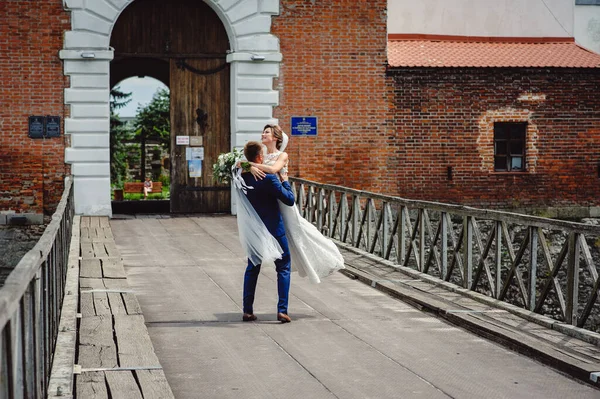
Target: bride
{"x":313,"y":255}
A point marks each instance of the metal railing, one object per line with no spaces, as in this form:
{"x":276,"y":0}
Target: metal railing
{"x":544,"y":265}
{"x":30,"y":303}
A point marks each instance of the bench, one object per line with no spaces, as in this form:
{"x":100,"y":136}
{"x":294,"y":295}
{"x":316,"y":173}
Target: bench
{"x":138,"y":187}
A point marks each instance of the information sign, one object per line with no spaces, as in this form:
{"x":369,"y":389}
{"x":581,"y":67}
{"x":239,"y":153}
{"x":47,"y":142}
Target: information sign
{"x":304,"y":125}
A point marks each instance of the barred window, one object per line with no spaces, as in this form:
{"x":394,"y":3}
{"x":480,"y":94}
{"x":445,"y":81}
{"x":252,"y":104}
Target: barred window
{"x":509,"y":146}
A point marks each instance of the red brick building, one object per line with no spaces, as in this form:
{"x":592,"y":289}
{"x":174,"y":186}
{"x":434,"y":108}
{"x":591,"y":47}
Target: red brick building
{"x":32,"y":83}
{"x":389,"y":120}
{"x":506,"y":123}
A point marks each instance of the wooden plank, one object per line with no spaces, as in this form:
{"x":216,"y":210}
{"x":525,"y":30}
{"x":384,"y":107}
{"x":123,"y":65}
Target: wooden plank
{"x":112,"y":268}
{"x":117,"y":306}
{"x":91,"y":268}
{"x":99,"y":250}
{"x":154,"y":384}
{"x":85,"y":234}
{"x":94,"y":221}
{"x":97,"y":347}
{"x":116,"y":284}
{"x":135,"y":347}
{"x":91,"y":385}
{"x":94,"y":234}
{"x":112,"y":250}
{"x":86,"y":283}
{"x":86,"y":303}
{"x":85,"y":222}
{"x":101,"y":304}
{"x":122,"y":385}
{"x":87,"y":251}
{"x":108,"y":235}
{"x":103,"y":221}
{"x":131,"y":304}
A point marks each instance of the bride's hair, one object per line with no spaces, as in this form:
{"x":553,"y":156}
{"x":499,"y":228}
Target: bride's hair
{"x":277,"y":133}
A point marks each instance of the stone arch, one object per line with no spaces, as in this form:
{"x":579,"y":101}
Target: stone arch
{"x":86,"y":55}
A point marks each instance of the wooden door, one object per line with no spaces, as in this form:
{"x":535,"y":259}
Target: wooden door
{"x":199,"y":108}
{"x":184,"y":44}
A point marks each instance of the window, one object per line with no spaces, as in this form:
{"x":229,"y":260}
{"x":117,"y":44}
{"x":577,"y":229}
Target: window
{"x":509,"y":146}
{"x":587,"y":2}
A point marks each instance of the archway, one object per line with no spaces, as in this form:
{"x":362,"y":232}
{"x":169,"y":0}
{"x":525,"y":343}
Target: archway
{"x":253,"y":57}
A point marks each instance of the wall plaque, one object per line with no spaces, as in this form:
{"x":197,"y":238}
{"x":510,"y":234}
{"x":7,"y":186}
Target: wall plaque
{"x":36,"y":127}
{"x":304,"y":125}
{"x":52,"y":126}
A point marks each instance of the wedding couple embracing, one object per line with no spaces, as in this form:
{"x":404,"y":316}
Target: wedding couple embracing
{"x":270,"y":226}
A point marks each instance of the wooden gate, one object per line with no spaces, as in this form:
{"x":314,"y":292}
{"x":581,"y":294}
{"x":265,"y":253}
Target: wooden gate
{"x":191,"y":38}
{"x":200,"y":110}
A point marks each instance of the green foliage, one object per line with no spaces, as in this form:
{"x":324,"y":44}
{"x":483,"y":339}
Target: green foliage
{"x":119,"y":134}
{"x":222,"y":169}
{"x":154,"y":119}
{"x":165,"y":180}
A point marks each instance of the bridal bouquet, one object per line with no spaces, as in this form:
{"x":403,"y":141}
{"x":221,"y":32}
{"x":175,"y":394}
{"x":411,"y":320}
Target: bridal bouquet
{"x":226,"y":161}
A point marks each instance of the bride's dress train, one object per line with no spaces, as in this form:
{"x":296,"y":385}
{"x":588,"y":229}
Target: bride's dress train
{"x":313,"y":255}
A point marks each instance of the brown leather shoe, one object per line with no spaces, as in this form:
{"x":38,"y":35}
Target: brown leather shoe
{"x":248,"y":317}
{"x":282,"y":317}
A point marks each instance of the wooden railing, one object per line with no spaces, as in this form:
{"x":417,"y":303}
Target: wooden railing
{"x":543,"y":265}
{"x":30,"y":303}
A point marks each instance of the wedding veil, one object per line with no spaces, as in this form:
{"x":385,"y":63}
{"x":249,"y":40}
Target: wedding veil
{"x":258,"y":243}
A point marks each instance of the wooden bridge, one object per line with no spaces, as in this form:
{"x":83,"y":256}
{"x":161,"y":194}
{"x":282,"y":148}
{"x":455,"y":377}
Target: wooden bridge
{"x":150,"y":307}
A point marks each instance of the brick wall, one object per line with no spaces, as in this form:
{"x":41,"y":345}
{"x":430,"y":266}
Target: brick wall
{"x":334,"y":58}
{"x":444,"y":117}
{"x":31,"y":83}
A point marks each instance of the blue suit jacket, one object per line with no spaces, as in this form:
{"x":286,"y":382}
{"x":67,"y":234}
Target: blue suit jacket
{"x":263,"y":198}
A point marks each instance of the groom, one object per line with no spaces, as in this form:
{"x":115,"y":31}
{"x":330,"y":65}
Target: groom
{"x":263,"y":196}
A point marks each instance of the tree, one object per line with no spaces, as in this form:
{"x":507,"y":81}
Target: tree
{"x":153,"y":122}
{"x":119,"y":135}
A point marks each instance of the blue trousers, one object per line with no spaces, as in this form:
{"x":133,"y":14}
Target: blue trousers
{"x":283,"y":268}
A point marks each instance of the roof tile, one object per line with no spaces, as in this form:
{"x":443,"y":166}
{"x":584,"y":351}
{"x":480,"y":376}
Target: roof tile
{"x":482,"y":53}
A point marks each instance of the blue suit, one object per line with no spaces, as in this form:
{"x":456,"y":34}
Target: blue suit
{"x":263,"y":198}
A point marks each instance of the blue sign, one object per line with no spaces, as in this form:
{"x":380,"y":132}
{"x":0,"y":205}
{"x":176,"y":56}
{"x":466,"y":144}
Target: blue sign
{"x":304,"y":125}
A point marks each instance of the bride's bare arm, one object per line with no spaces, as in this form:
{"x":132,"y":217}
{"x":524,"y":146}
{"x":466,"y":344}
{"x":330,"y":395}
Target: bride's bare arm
{"x":259,"y":170}
{"x":276,"y":167}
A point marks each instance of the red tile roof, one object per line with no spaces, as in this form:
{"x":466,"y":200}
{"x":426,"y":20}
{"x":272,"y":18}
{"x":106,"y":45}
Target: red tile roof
{"x":487,"y":52}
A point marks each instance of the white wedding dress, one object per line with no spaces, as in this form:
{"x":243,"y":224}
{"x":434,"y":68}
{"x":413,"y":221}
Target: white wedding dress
{"x":313,"y":255}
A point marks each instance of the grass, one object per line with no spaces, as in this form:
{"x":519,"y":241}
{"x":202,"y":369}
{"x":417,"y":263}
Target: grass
{"x":164,"y":194}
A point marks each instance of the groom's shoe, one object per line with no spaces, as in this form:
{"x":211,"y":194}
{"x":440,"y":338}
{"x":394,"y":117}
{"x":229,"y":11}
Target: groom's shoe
{"x":284,"y":318}
{"x":248,"y":317}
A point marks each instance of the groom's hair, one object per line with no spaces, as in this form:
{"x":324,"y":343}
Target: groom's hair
{"x":252,"y":150}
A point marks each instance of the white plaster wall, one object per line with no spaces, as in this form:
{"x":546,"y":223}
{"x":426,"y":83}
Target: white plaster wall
{"x":248,"y":25}
{"x":587,"y":27}
{"x":517,"y":18}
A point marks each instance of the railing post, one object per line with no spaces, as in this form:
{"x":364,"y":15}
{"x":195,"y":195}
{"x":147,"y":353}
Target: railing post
{"x":421,"y":254}
{"x":573,"y":280}
{"x":402,"y":236}
{"x":343,"y":217}
{"x":498,"y":227}
{"x":384,"y":228}
{"x":331,"y":214}
{"x":320,"y":210}
{"x":533,"y":243}
{"x":300,"y":200}
{"x":355,"y":220}
{"x":444,"y":232}
{"x":468,"y":252}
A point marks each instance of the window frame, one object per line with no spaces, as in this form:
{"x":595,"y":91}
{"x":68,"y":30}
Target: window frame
{"x":509,"y":130}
